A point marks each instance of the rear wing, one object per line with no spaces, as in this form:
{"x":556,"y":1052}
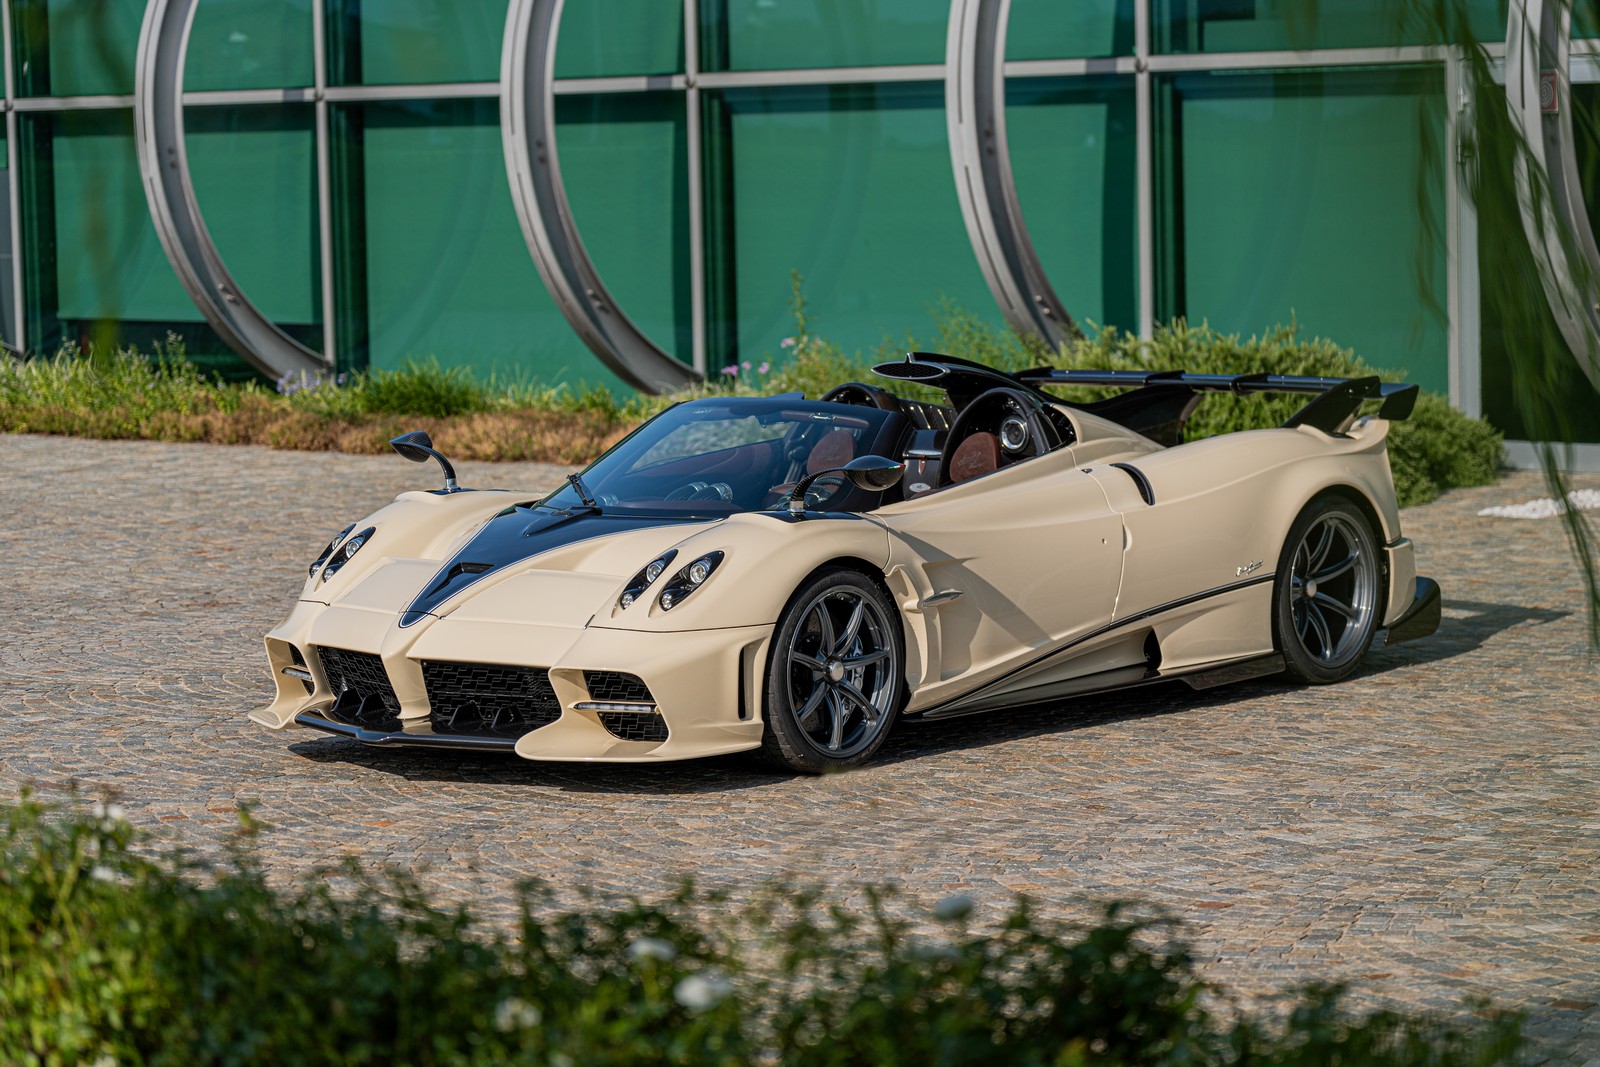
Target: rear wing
{"x":1334,"y":401}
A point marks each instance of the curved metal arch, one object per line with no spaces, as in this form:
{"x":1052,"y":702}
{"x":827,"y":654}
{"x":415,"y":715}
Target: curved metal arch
{"x":975,"y":99}
{"x":528,"y":134}
{"x":1554,"y":217}
{"x":175,"y":210}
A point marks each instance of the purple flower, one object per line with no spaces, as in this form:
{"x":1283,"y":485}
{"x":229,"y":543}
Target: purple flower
{"x":763,"y":368}
{"x":745,"y":364}
{"x":787,"y":342}
{"x":731,"y":370}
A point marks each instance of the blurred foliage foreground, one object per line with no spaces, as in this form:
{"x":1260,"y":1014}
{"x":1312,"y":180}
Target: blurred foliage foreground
{"x":108,"y":956}
{"x":163,"y":397}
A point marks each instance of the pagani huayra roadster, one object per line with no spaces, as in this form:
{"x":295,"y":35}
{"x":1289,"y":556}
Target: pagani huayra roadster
{"x":791,"y":575}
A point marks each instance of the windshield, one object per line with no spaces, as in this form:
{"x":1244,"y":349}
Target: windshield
{"x":720,"y":456}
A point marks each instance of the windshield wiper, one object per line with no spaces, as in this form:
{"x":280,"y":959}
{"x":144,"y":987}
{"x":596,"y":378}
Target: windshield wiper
{"x":583,"y":494}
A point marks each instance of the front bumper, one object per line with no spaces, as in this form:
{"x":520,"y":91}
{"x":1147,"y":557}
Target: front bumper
{"x":705,"y":685}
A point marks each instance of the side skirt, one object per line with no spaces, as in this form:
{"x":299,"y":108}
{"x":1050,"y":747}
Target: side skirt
{"x":1120,"y":678}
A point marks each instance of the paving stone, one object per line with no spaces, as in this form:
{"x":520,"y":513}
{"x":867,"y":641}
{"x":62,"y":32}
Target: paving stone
{"x":1428,"y":831}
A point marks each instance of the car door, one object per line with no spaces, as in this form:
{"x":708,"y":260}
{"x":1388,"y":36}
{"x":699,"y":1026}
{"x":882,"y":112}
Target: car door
{"x":993,"y":573}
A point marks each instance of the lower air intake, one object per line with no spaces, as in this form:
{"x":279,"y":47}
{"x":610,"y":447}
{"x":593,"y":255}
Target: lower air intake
{"x":358,"y":679}
{"x":488,"y":699}
{"x":614,"y":687}
{"x":634,"y":725}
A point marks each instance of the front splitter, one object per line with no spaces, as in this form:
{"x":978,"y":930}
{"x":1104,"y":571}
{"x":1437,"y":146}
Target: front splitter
{"x":418,"y":735}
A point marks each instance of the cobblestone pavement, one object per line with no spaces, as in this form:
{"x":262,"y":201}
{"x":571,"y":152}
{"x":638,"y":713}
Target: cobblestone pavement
{"x":1428,"y":830}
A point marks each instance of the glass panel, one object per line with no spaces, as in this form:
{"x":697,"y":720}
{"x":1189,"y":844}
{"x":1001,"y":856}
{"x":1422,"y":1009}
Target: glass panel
{"x":1048,"y":29}
{"x":797,"y":34}
{"x":849,"y":185}
{"x":1073,"y":158}
{"x":443,"y":269}
{"x":76,"y":47}
{"x":95,"y":270}
{"x":414,"y":41}
{"x":1265,"y":25}
{"x":249,"y":44}
{"x":1497,"y":268}
{"x":242,"y":158}
{"x":606,"y":38}
{"x":1311,"y":197}
{"x":624,"y":162}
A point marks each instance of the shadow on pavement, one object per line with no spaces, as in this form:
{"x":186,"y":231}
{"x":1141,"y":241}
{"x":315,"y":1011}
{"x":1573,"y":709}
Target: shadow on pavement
{"x":1467,"y":625}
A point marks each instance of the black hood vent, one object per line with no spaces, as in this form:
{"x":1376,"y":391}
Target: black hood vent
{"x":520,"y":533}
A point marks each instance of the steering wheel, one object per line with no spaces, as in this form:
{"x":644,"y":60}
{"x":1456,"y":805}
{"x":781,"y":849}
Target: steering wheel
{"x":863,"y":395}
{"x":1016,"y":418}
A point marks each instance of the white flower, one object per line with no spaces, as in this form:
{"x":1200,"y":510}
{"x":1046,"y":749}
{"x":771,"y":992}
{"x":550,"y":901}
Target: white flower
{"x":514,"y":1013}
{"x":102,"y":874}
{"x":105,"y":1060}
{"x":952,"y":908}
{"x":651,"y":948}
{"x":107,"y":815}
{"x":701,"y":991}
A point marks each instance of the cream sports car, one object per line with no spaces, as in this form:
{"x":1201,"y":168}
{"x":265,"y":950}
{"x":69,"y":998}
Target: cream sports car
{"x":793,"y":575}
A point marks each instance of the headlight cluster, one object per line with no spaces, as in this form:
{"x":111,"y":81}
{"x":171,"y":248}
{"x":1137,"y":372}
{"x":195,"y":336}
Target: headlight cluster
{"x":346,"y":547}
{"x":680,"y":585}
{"x":340,"y":536}
{"x":641,"y":581}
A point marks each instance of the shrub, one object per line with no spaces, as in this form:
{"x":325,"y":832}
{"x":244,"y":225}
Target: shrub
{"x":107,"y":955}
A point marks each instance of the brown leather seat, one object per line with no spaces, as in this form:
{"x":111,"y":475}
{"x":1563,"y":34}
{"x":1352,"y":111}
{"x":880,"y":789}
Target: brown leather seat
{"x":977,"y":455}
{"x":836,"y":448}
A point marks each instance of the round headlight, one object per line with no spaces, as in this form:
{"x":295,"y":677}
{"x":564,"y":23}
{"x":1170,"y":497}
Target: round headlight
{"x":667,"y":600}
{"x":627,"y":599}
{"x":699,"y":571}
{"x":652,"y":572}
{"x":352,"y":546}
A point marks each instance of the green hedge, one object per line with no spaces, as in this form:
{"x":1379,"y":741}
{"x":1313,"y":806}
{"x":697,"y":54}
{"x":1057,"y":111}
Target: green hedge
{"x":109,"y":956}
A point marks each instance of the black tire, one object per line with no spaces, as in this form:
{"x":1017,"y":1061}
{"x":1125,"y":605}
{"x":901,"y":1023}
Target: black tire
{"x":833,"y":689}
{"x":1327,"y":597}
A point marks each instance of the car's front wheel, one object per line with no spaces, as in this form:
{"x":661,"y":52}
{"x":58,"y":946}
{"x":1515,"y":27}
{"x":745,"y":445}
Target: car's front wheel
{"x":834,"y":675}
{"x":1327,"y":594}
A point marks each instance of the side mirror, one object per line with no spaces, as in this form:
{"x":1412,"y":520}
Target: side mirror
{"x":417,"y":446}
{"x":872,"y":473}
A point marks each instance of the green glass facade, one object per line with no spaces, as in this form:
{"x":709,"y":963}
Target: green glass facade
{"x":709,"y":149}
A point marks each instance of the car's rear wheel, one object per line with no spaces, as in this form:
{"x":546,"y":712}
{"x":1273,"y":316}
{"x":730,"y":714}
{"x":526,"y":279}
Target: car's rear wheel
{"x":1326,"y":597}
{"x":834,"y":677}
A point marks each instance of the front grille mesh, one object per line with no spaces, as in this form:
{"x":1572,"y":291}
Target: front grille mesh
{"x":634,"y":725}
{"x":360,"y":673}
{"x":614,"y":687}
{"x":489,"y":699}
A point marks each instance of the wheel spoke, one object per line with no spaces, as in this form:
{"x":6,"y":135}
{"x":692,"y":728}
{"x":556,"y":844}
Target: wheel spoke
{"x":1324,"y":544}
{"x":865,"y":658}
{"x":824,"y":626}
{"x":1326,"y":601}
{"x":836,"y":738}
{"x":868,"y":709}
{"x":851,"y":629}
{"x":1320,"y":625}
{"x":810,"y":663}
{"x":807,"y":715}
{"x":1329,"y":573}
